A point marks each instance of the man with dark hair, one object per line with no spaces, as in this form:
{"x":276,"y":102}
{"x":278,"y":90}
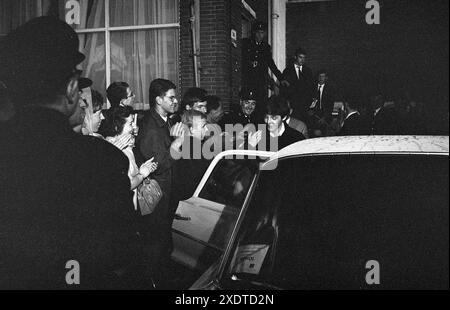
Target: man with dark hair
{"x":277,"y":111}
{"x":215,"y":109}
{"x":301,"y":85}
{"x":325,"y":96}
{"x":256,"y":60}
{"x":384,"y":119}
{"x":119,"y":93}
{"x":195,"y":99}
{"x":295,"y":123}
{"x":155,"y":140}
{"x":65,"y":198}
{"x":321,"y":109}
{"x":354,"y":124}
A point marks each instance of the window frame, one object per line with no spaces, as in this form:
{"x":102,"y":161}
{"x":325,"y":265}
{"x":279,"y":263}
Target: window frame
{"x":107,"y":30}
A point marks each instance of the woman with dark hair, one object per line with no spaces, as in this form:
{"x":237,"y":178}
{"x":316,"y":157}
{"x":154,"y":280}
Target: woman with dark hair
{"x":118,"y":126}
{"x":120,"y":94}
{"x":93,"y":115}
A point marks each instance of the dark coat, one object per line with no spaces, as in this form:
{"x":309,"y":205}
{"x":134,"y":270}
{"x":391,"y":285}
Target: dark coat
{"x":385,"y":122}
{"x":188,"y":172}
{"x":301,"y":89}
{"x":355,"y":125}
{"x":327,"y":102}
{"x":256,"y":60}
{"x":238,"y":117}
{"x":154,"y":140}
{"x":288,"y":137}
{"x":63,"y":197}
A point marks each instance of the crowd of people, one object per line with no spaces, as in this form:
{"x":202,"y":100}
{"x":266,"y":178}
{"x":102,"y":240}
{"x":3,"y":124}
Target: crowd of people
{"x":71,"y":170}
{"x":318,"y":105}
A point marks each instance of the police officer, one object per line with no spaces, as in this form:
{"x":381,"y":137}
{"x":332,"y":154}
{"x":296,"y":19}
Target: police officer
{"x":256,"y":59}
{"x":245,"y":113}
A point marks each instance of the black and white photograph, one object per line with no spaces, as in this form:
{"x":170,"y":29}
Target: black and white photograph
{"x":234,"y":146}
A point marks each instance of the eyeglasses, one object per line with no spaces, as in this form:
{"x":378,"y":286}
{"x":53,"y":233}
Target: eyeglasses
{"x":171,"y":98}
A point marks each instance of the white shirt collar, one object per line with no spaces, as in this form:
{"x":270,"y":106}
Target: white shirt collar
{"x":351,"y":113}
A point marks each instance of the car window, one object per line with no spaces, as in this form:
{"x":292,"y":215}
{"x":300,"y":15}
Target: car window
{"x":315,"y":222}
{"x":229,"y":182}
{"x":205,"y":223}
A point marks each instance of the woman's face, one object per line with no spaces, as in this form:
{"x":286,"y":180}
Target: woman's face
{"x":97,"y":118}
{"x":128,"y":126}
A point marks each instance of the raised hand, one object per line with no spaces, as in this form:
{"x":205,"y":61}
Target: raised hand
{"x":255,"y":138}
{"x":151,"y":165}
{"x":177,"y":130}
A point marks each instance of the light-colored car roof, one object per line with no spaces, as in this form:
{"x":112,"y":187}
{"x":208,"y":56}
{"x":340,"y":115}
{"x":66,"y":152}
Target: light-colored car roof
{"x":367,"y":145}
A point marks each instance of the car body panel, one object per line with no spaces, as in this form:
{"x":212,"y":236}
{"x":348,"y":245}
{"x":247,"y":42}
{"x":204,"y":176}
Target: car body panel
{"x":330,"y":146}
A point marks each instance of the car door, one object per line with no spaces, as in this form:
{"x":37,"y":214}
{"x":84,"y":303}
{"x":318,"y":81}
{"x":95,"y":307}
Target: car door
{"x":206,"y":220}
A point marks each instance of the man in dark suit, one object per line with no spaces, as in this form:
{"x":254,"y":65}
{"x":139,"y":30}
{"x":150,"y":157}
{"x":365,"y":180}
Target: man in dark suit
{"x":321,"y":110}
{"x":384,"y":120}
{"x":64,"y":197}
{"x":256,"y":60}
{"x":156,"y":141}
{"x":354,"y":124}
{"x":301,"y":85}
{"x":296,"y":124}
{"x":325,"y":96}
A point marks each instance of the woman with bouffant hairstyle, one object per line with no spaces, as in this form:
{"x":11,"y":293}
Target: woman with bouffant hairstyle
{"x":118,"y":126}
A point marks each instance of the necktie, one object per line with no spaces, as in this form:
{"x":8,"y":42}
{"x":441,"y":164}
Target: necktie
{"x":168,"y":123}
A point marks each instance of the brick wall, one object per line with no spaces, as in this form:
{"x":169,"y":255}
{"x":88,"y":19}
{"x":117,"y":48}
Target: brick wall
{"x":186,"y":62}
{"x":220,"y":60}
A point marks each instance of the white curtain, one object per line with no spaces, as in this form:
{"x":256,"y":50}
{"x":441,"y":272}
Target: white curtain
{"x":14,"y":13}
{"x":137,"y":57}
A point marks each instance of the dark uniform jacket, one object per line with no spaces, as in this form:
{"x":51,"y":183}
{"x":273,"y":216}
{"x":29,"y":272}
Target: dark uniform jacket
{"x":256,"y":60}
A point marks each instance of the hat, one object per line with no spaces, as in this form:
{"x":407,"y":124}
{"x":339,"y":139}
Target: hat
{"x":38,"y":55}
{"x":259,"y":25}
{"x":84,"y":82}
{"x":247,"y":94}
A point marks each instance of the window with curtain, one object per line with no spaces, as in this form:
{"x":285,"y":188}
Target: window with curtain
{"x":134,"y":41}
{"x":14,"y":13}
